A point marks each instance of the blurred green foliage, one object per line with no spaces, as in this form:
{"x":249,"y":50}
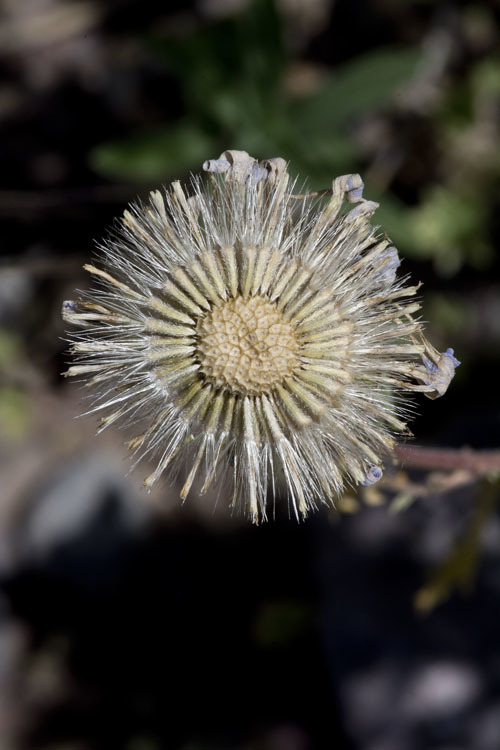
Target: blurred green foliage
{"x":233,"y":79}
{"x":236,"y":80}
{"x":459,"y":568}
{"x":452,"y":225}
{"x":15,"y":418}
{"x":15,"y":411}
{"x":154,"y":155}
{"x":447,"y":227}
{"x":455,"y":314}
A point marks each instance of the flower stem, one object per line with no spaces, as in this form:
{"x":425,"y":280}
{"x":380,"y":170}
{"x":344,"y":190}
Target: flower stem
{"x":475,"y":462}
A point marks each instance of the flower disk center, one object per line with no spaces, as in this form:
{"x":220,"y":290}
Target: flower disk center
{"x":246,"y":345}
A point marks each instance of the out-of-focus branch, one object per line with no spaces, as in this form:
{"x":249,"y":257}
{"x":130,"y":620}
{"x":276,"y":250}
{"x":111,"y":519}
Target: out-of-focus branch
{"x":478,"y":463}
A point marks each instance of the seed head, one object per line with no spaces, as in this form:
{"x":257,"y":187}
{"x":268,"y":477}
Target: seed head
{"x":261,"y":338}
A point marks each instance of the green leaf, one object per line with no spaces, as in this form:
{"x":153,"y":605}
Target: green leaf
{"x":363,"y":84}
{"x":158,"y":155}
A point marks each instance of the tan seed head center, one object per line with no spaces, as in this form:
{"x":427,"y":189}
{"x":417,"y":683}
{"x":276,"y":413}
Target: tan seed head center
{"x":246,"y":345}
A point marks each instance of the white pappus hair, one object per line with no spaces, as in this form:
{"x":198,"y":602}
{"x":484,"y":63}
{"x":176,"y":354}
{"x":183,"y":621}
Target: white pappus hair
{"x":261,"y":339}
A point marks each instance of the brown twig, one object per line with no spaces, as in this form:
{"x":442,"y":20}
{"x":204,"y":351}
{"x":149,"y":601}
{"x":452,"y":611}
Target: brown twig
{"x":478,"y":463}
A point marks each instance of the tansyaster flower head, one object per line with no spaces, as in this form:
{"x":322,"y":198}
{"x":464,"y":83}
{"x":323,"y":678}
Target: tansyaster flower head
{"x":255,"y":338}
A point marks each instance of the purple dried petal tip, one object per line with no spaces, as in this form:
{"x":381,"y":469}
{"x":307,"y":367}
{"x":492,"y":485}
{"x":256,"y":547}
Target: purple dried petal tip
{"x":257,"y":174}
{"x":429,"y":365}
{"x":373,"y":475}
{"x":354,"y":188}
{"x":217,"y":166}
{"x":439,"y":374}
{"x":449,"y":353}
{"x":390,"y":262}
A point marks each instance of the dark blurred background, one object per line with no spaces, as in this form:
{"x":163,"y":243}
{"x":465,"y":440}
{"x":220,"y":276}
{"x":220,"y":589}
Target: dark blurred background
{"x":128,"y":621}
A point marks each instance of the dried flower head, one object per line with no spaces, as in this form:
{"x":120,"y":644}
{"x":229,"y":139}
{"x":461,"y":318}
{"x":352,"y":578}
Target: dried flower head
{"x":260,"y":337}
